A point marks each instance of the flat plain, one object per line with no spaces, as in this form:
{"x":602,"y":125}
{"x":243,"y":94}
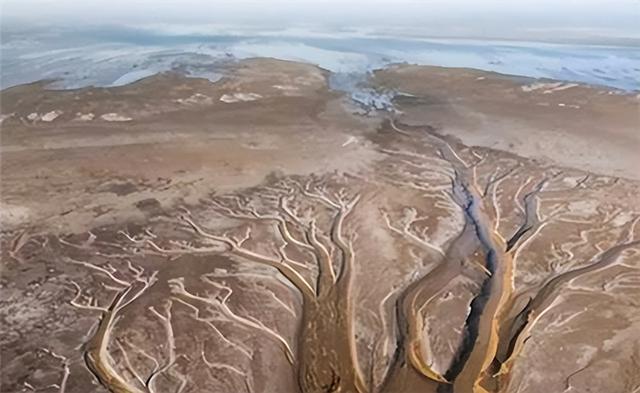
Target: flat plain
{"x":258,"y":234}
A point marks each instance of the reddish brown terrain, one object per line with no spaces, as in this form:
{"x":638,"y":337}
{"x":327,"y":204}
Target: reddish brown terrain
{"x":257,"y":235}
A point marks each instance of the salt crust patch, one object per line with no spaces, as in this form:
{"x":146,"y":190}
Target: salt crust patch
{"x":51,"y":116}
{"x":114,"y":117}
{"x":4,"y":117}
{"x":196,"y":98}
{"x":85,"y":116}
{"x":548,"y":87}
{"x":239,"y":97}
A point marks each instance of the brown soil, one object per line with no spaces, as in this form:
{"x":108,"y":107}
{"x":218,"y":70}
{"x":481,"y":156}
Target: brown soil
{"x":253,"y":235}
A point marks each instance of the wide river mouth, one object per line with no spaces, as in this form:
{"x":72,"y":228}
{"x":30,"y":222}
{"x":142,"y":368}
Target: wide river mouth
{"x":117,"y":56}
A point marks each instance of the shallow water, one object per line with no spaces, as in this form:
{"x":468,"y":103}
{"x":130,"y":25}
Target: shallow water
{"x":110,"y":57}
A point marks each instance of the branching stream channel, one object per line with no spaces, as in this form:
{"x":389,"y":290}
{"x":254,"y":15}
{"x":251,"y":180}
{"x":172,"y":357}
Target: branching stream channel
{"x":317,"y":259}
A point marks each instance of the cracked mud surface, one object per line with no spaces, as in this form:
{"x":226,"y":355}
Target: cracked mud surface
{"x":178,"y":235}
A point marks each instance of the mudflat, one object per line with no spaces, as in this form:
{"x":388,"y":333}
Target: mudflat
{"x":257,"y":234}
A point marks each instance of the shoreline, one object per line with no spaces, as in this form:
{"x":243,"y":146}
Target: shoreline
{"x":364,"y":77}
{"x":104,"y":60}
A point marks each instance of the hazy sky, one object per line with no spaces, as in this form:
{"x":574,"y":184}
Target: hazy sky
{"x":456,"y":17}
